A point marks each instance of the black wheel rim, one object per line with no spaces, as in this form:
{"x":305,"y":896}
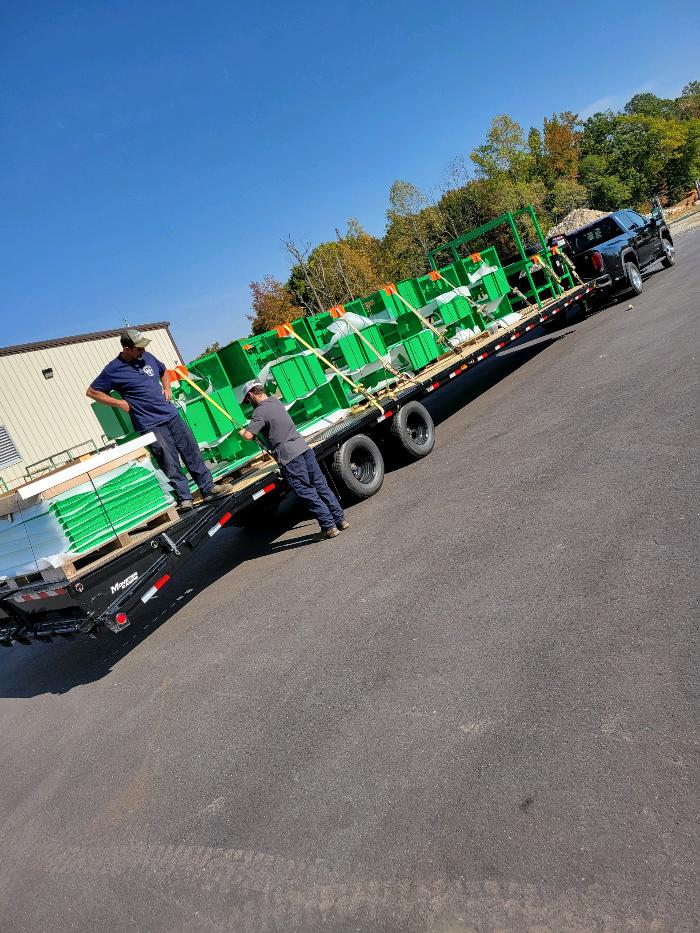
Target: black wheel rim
{"x":363,"y":466}
{"x":417,"y":429}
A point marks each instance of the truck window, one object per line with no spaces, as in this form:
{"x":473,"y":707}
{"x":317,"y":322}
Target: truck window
{"x":637,"y":219}
{"x":600,"y":232}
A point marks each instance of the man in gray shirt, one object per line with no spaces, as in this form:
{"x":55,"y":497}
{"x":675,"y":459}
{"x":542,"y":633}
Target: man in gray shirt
{"x":297,"y":460}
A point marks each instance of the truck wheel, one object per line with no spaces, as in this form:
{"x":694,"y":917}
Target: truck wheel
{"x":413,"y":431}
{"x":669,"y":257}
{"x":634,"y":278}
{"x":358,"y":467}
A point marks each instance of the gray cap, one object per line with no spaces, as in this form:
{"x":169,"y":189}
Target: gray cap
{"x":134,"y":338}
{"x":252,"y":384}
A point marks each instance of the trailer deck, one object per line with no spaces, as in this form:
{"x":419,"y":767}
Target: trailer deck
{"x":105,"y":594}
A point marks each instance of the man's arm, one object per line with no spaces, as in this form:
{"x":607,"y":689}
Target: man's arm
{"x":105,"y":399}
{"x":165,"y":382}
{"x":254,"y":426}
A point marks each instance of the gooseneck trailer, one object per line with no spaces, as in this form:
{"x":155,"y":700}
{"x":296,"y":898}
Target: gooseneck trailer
{"x":107,"y":592}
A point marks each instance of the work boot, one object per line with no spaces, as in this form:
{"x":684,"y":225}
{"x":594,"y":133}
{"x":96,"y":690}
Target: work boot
{"x":219,"y":489}
{"x":344,"y":525}
{"x":328,"y":533}
{"x":185,"y":505}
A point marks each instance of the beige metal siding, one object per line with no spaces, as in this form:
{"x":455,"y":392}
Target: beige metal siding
{"x":45,"y":416}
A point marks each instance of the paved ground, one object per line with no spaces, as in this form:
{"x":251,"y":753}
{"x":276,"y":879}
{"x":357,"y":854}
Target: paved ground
{"x":472,"y":711}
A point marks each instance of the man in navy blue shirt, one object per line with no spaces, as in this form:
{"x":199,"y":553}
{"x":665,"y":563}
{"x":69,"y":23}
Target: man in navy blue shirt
{"x":144,"y":386}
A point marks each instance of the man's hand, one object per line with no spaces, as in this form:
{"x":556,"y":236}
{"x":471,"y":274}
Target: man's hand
{"x":168,"y":393}
{"x":246,"y":435}
{"x":123,"y":404}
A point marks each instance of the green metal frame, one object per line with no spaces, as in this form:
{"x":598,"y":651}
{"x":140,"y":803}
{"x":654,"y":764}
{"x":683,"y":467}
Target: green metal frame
{"x":508,"y":218}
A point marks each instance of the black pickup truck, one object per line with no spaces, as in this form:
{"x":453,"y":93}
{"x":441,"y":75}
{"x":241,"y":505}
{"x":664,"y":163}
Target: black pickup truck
{"x":615,"y":249}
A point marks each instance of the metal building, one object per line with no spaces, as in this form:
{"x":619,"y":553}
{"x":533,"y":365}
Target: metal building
{"x":45,"y":417}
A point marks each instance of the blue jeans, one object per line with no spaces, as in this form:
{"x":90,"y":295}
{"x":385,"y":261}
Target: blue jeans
{"x":174,"y":439}
{"x":306,"y":479}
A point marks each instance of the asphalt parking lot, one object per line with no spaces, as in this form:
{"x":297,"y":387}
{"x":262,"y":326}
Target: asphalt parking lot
{"x":473,"y":710}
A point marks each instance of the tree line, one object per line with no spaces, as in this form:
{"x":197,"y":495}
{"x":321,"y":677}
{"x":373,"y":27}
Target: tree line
{"x":610,"y":160}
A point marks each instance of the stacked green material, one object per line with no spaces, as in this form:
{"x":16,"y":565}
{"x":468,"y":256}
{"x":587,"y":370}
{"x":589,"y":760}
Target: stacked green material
{"x":409,"y":325}
{"x":124,"y":501}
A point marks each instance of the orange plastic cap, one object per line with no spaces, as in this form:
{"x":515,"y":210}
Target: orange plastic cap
{"x":283,"y":330}
{"x":434,"y":276}
{"x":390,"y":289}
{"x":475,"y":257}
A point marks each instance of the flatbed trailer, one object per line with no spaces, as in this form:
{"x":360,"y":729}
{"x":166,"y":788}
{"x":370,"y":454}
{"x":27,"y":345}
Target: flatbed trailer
{"x":105,"y":595}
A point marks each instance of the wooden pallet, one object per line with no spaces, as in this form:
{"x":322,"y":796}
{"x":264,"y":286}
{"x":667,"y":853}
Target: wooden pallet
{"x":100,"y":555}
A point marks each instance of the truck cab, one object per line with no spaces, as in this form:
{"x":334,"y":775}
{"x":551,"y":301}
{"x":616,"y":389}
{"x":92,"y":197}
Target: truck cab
{"x":616,"y":248}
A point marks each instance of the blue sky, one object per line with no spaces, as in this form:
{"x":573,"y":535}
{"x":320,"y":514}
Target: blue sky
{"x":155,"y":154}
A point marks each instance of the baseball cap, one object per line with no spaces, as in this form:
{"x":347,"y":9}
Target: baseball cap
{"x":134,"y":338}
{"x":253,"y":384}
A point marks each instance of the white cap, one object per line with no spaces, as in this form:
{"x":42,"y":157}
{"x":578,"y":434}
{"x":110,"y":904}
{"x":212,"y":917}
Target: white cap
{"x":252,"y":384}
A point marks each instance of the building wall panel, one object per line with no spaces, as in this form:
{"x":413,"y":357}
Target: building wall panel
{"x":46,"y":416}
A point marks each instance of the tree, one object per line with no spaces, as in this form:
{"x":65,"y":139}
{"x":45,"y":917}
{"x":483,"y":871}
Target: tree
{"x":272,"y":305}
{"x":414,"y":226}
{"x":688,"y":104}
{"x":562,"y":138}
{"x":564,"y":196}
{"x":649,"y":105}
{"x":336,"y":271}
{"x":212,"y":348}
{"x":606,"y":191}
{"x":503,"y":153}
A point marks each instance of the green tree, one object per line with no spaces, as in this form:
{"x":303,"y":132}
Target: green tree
{"x":504,"y":151}
{"x":414,"y":226}
{"x":649,"y":105}
{"x":688,"y":104}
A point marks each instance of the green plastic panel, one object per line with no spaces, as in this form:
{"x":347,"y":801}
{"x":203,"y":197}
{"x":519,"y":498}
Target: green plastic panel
{"x":297,"y":376}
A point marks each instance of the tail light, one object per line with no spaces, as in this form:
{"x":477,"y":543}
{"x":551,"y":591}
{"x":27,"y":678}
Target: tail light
{"x":597,"y":261}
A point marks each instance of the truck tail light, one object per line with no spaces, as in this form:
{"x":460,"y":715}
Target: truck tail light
{"x":597,"y":261}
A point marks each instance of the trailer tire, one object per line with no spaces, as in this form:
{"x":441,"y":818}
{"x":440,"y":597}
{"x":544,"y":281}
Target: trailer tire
{"x":358,"y":467}
{"x":412,"y":430}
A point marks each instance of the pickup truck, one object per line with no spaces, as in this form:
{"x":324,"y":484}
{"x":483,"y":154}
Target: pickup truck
{"x":615,"y":249}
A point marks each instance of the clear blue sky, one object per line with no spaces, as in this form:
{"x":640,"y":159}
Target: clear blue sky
{"x":155,"y":154}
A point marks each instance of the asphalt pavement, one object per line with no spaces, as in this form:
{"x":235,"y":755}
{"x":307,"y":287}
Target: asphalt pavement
{"x":474,"y":710}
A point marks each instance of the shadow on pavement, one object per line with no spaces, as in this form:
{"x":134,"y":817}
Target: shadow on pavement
{"x":57,"y":668}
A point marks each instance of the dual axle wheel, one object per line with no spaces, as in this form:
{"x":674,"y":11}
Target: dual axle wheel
{"x":358,"y":466}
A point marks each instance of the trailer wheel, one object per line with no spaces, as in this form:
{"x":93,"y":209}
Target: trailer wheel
{"x":413,"y":431}
{"x":358,"y":467}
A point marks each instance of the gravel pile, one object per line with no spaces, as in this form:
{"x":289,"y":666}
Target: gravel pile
{"x":575,"y":219}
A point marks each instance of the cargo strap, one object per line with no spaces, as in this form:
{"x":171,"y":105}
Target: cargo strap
{"x":338,"y":311}
{"x":393,"y":290}
{"x":216,"y":405}
{"x":286,"y":330}
{"x":569,"y":263}
{"x":547,"y":269}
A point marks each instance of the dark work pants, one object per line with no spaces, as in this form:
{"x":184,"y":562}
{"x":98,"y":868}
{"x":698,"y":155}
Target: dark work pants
{"x":306,"y":479}
{"x":174,"y":439}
